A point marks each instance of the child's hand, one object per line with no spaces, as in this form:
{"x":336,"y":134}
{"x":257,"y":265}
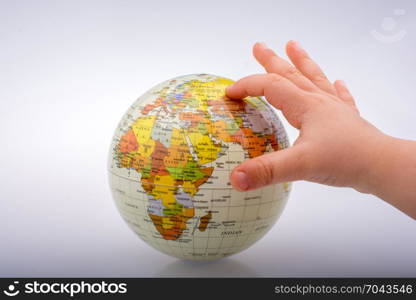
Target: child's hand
{"x":335,"y":145}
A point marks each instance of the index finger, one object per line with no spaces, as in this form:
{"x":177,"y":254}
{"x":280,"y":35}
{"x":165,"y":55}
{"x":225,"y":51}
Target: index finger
{"x":279,"y":92}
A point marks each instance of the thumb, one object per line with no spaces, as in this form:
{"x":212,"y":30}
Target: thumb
{"x":280,"y":166}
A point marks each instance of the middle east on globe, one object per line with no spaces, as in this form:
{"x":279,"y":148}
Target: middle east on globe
{"x":170,"y":161}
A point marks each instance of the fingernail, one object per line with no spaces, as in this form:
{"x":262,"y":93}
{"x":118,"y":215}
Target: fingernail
{"x":297,"y":46}
{"x":241,"y":180}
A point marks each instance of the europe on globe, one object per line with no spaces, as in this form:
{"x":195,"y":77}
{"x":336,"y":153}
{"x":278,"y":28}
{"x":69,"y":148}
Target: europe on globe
{"x":170,"y":161}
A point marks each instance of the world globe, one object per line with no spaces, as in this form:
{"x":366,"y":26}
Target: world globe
{"x":170,"y":162}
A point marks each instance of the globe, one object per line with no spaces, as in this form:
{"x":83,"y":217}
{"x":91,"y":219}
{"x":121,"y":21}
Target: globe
{"x":170,"y":161}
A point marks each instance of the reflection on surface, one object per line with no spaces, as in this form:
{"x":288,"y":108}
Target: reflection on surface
{"x":225,"y":267}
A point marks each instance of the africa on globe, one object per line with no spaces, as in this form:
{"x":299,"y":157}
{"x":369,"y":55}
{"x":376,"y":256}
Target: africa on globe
{"x":170,"y":161}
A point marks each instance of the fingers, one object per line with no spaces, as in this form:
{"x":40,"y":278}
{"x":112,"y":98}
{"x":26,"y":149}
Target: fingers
{"x":279,"y":92}
{"x":343,"y":93}
{"x":280,"y":166}
{"x":274,"y":64}
{"x":308,"y":67}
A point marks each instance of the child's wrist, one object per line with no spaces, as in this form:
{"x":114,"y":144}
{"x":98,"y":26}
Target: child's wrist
{"x":376,"y":162}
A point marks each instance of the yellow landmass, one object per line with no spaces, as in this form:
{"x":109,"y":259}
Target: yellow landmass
{"x":167,"y":223}
{"x":206,"y":150}
{"x":203,"y":91}
{"x":165,"y":189}
{"x":142,"y":129}
{"x":189,"y":188}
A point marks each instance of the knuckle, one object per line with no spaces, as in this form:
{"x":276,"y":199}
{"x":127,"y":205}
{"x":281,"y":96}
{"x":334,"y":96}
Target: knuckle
{"x":250,"y":90}
{"x":264,"y":171}
{"x":320,"y":78}
{"x":269,"y":62}
{"x":292,"y":72}
{"x":274,"y":77}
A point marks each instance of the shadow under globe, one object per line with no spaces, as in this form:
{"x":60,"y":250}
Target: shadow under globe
{"x":226,"y":267}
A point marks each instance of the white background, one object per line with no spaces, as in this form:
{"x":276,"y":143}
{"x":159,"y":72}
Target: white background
{"x":70,"y":69}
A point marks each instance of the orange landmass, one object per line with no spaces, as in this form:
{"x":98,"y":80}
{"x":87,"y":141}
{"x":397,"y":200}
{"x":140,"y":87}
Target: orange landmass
{"x":178,"y":221}
{"x":158,"y":165}
{"x":177,"y":156}
{"x":273,"y":142}
{"x":208,"y":172}
{"x":128,"y":142}
{"x":255,"y":145}
{"x":148,"y":184}
{"x":149,"y":107}
{"x":219,"y":130}
{"x":203,"y":222}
